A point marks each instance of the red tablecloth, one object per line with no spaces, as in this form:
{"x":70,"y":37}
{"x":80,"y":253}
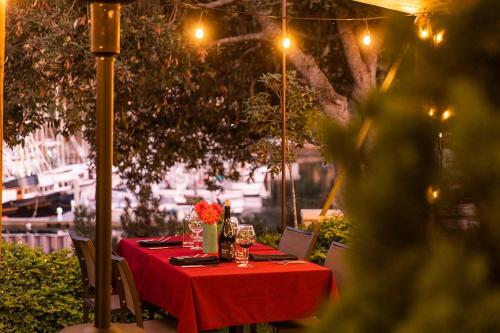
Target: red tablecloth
{"x":214,"y":297}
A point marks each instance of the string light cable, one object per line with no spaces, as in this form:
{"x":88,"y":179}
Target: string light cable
{"x":201,"y":6}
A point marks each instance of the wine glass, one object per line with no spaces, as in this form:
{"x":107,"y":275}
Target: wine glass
{"x":234,"y":223}
{"x":196,"y":226}
{"x":187,"y":233}
{"x":245,"y":237}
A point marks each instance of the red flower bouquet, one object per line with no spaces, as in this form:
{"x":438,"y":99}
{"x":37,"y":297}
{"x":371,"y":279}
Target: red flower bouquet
{"x":208,"y":213}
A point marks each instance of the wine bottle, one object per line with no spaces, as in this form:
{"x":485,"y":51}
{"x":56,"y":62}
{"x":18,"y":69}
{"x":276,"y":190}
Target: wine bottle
{"x":227,"y":236}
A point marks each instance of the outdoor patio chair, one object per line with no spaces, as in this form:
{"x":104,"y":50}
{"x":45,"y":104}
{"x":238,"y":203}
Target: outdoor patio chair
{"x":85,"y":252}
{"x":297,"y":242}
{"x":129,"y":299}
{"x":335,"y":260}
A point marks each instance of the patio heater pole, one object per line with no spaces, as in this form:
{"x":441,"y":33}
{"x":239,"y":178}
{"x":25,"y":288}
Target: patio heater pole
{"x":283,"y":115}
{"x":2,"y":65}
{"x":105,"y":45}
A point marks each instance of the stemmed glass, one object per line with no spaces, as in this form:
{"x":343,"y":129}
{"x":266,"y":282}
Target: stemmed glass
{"x":196,"y":226}
{"x":245,"y":237}
{"x":234,"y":223}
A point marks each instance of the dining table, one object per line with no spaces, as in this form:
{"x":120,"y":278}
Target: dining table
{"x":208,"y":297}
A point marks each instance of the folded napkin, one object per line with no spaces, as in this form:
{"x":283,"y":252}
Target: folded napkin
{"x":156,"y":243}
{"x":272,"y":257}
{"x":181,"y":261}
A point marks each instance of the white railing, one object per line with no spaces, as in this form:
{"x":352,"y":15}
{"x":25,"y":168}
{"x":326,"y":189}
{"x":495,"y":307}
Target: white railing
{"x":47,"y":242}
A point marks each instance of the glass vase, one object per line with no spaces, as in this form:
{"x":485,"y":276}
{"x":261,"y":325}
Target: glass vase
{"x":210,"y":238}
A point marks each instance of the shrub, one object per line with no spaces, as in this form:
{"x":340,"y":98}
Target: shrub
{"x":334,"y":227}
{"x":38,"y":292}
{"x":271,"y":239}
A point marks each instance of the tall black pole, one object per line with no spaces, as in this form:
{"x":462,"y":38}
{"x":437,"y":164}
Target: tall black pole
{"x":105,"y":45}
{"x":2,"y":63}
{"x":283,"y":117}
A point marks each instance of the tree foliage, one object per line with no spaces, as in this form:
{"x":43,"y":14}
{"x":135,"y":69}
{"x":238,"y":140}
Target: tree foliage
{"x":263,"y":112}
{"x":176,"y":100}
{"x":168,"y":101}
{"x":425,"y":261}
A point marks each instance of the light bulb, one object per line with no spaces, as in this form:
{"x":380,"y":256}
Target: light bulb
{"x":367,"y":39}
{"x":446,"y":115}
{"x":432,"y":112}
{"x":432,"y":194}
{"x":287,"y":43}
{"x":438,"y":38}
{"x":199,"y":33}
{"x":424,"y":33}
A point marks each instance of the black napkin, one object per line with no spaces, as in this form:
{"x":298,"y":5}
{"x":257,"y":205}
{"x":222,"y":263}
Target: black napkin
{"x":181,"y":261}
{"x":272,"y":257}
{"x":156,"y":243}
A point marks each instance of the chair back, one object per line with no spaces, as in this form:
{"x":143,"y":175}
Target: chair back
{"x":297,"y":242}
{"x":85,"y":251}
{"x":129,"y":297}
{"x":336,"y":261}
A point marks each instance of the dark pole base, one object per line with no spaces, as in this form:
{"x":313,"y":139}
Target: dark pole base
{"x":115,"y":328}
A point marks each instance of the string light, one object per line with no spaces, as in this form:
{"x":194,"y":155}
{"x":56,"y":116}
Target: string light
{"x":199,"y":33}
{"x":195,"y":6}
{"x":424,"y":33}
{"x":432,"y":112}
{"x":438,"y":38}
{"x":287,"y":42}
{"x":446,"y":115}
{"x":432,"y":194}
{"x":424,"y":26}
{"x":367,"y":38}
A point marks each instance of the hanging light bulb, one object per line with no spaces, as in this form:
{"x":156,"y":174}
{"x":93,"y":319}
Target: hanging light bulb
{"x":367,"y":38}
{"x":446,"y":115}
{"x":432,"y":112}
{"x":432,"y":194}
{"x":424,"y":33}
{"x":438,"y":38}
{"x":199,"y":33}
{"x":424,"y":27}
{"x":287,"y":42}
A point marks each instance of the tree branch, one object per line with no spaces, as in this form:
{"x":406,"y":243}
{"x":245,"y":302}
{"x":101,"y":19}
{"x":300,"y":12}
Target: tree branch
{"x":215,"y":4}
{"x":239,"y":39}
{"x":363,"y":64}
{"x":332,"y":103}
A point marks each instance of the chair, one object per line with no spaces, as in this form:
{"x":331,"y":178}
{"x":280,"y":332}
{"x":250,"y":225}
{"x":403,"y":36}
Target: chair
{"x":297,"y":242}
{"x":129,"y":298}
{"x":335,"y":260}
{"x":85,"y":251}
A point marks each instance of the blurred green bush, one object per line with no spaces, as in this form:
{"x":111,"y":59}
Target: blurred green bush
{"x":333,"y":227}
{"x":38,"y":292}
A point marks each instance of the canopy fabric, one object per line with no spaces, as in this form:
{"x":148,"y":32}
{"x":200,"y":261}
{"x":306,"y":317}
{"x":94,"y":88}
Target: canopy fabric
{"x":411,"y":6}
